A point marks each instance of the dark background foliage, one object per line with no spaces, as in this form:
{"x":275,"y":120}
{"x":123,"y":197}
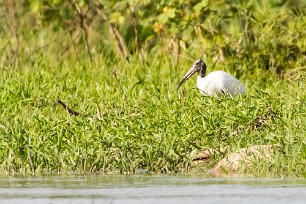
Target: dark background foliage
{"x":258,"y":34}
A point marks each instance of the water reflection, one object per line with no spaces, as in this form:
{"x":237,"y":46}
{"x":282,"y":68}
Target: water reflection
{"x":149,"y":189}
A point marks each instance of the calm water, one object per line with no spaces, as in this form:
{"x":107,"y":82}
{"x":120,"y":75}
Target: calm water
{"x":113,"y":189}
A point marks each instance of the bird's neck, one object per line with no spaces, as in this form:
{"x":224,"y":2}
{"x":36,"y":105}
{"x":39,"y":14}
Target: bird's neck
{"x":202,"y":73}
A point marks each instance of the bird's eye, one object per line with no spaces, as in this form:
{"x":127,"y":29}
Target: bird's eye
{"x":198,"y":62}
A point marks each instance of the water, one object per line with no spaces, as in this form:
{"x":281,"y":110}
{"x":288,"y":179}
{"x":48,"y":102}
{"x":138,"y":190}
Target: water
{"x":114,"y":189}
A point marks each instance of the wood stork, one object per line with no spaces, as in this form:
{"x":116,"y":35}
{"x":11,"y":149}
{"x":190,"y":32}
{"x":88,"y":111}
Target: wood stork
{"x":216,"y":83}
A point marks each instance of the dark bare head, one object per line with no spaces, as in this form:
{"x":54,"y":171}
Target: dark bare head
{"x":198,"y":66}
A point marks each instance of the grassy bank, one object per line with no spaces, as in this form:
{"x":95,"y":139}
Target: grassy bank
{"x":133,"y":118}
{"x":116,"y":64}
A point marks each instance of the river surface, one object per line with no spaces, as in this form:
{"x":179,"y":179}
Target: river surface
{"x":176,"y":189}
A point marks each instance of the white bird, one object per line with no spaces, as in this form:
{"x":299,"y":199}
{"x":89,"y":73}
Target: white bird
{"x":217,"y":83}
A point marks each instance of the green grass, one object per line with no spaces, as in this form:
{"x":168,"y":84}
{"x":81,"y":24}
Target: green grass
{"x":144,"y":122}
{"x":132,"y":116}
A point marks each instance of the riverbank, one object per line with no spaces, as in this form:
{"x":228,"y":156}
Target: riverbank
{"x":131,"y":117}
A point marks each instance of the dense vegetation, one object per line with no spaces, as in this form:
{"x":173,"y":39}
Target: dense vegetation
{"x":118,"y":62}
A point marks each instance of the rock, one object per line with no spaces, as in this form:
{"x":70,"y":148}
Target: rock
{"x":204,"y":156}
{"x":247,"y":155}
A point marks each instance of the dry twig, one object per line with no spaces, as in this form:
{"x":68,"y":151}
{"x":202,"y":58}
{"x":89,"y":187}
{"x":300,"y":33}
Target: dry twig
{"x":70,"y":111}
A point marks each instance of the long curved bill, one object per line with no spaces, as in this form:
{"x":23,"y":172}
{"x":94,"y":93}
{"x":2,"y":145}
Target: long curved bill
{"x":191,"y":71}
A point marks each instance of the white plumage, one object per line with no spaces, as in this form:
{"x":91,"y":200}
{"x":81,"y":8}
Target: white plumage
{"x":219,"y":83}
{"x":216,"y":83}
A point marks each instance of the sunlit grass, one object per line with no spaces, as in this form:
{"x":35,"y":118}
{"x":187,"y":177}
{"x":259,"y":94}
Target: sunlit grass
{"x":133,"y":118}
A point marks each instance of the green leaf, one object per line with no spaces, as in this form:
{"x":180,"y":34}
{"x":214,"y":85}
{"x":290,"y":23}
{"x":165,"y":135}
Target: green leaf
{"x":171,"y":13}
{"x":163,"y":18}
{"x":201,"y":5}
{"x":183,"y":44}
{"x":55,"y":2}
{"x":36,"y":6}
{"x":116,"y":17}
{"x":83,"y":3}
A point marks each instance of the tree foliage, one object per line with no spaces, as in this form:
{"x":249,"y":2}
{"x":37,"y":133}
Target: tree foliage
{"x":268,"y":34}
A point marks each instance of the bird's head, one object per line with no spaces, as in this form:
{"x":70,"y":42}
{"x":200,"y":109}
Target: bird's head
{"x":198,"y":66}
